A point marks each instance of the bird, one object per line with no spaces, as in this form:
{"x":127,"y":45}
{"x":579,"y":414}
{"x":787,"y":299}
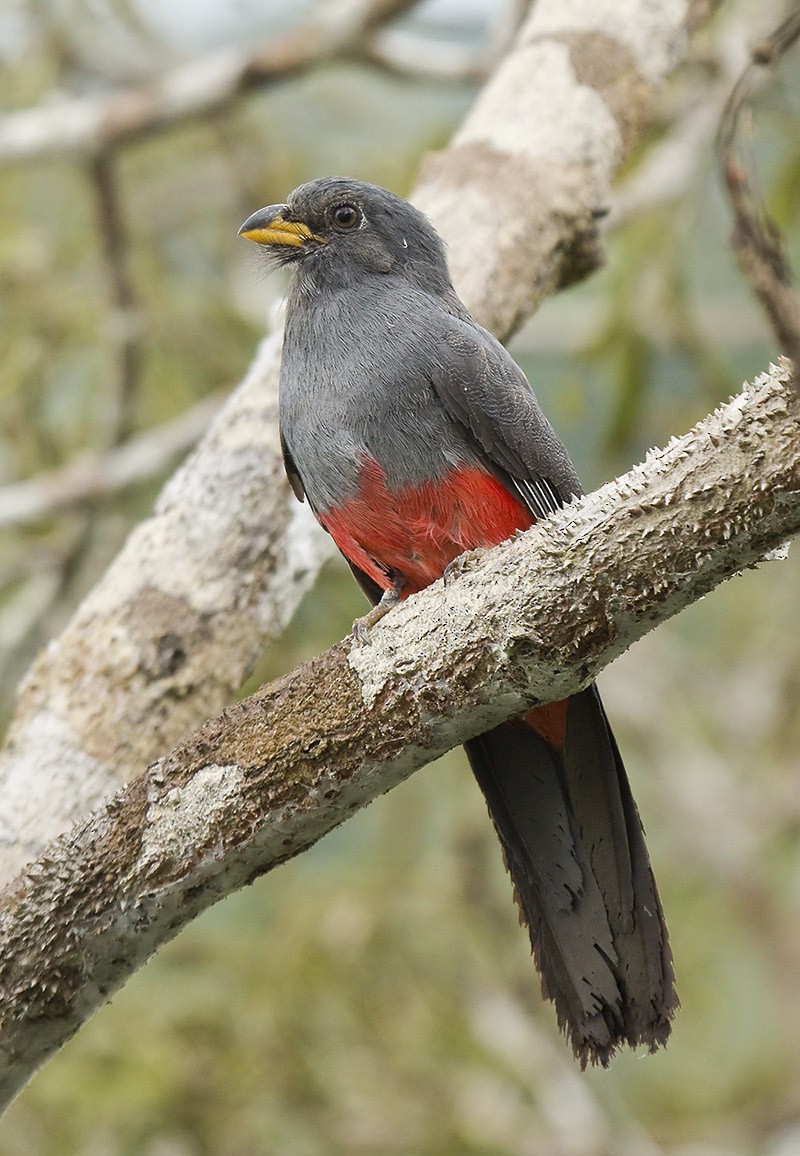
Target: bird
{"x":415,"y":437}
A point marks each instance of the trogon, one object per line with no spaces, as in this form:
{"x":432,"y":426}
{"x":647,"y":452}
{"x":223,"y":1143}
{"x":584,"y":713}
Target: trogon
{"x":415,"y":437}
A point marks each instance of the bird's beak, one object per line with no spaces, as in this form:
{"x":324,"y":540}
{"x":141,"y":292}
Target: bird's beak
{"x":269,"y":226}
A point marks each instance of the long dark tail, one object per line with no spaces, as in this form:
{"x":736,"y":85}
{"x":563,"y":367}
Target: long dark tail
{"x":574,"y":846}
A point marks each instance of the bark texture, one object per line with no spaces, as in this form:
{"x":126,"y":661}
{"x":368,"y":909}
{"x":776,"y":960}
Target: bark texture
{"x":170,"y":632}
{"x":532,"y":181}
{"x":532,"y":621}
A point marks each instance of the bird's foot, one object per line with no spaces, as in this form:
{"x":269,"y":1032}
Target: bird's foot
{"x":462,"y":564}
{"x":363,"y":625}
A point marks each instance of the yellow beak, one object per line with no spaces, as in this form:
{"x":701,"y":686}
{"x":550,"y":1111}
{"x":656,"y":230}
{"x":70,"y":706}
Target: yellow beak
{"x":269,"y":226}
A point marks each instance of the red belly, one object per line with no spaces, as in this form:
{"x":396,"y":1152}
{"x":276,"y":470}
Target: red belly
{"x":416,"y":532}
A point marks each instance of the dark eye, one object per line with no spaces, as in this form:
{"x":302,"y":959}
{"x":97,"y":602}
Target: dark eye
{"x":345,"y":217}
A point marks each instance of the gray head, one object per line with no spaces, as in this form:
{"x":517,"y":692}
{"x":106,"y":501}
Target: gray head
{"x":337,"y":228}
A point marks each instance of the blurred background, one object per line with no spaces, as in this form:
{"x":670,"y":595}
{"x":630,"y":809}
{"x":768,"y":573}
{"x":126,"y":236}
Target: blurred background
{"x":376,"y":995}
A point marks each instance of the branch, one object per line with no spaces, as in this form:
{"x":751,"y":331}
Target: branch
{"x":533,"y":163}
{"x":400,"y":51}
{"x":94,"y":476}
{"x":664,"y":174}
{"x":408,"y":55}
{"x":756,"y":239}
{"x":170,"y":633}
{"x":534,"y":620}
{"x":113,"y":237}
{"x":86,"y":126}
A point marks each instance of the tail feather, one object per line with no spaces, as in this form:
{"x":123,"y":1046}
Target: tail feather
{"x":574,"y":847}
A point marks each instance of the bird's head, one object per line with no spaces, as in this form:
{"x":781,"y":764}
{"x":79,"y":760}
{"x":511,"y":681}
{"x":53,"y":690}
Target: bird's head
{"x":336,"y":224}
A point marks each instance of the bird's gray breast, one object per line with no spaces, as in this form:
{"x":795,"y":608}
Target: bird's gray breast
{"x":356,"y":385}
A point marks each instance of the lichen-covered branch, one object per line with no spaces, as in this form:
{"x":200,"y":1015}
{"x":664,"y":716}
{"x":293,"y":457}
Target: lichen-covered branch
{"x":169,"y":634}
{"x":580,"y":82}
{"x":531,"y":621}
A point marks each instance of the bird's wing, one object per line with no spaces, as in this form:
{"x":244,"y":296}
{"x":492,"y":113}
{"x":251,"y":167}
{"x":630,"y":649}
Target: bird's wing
{"x":292,"y":473}
{"x":371,"y":589}
{"x":483,"y":388}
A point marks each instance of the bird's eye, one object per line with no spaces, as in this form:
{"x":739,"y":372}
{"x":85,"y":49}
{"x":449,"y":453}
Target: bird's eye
{"x":345,"y":217}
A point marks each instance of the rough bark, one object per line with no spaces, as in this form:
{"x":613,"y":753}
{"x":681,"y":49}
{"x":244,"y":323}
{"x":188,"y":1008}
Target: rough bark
{"x":171,"y":631}
{"x":168,"y":635}
{"x":532,"y":181}
{"x":532,"y":621}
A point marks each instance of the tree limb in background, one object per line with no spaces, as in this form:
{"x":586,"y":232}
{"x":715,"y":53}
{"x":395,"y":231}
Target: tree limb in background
{"x":530,"y":170}
{"x":756,"y":239}
{"x":113,"y":240}
{"x":93,"y":476}
{"x":533,"y":621}
{"x":407,"y":54}
{"x":118,"y":424}
{"x":169,"y":634}
{"x":93,"y":124}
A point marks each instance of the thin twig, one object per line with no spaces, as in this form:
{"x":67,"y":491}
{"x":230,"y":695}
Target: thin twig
{"x":114,"y":245}
{"x":756,"y":238}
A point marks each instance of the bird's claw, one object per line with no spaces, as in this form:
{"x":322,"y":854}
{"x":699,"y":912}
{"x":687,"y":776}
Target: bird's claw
{"x":363,"y":625}
{"x":463,"y":563}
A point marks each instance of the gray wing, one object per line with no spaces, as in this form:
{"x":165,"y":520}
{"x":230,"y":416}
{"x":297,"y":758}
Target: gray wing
{"x":292,"y":473}
{"x":484,"y":389}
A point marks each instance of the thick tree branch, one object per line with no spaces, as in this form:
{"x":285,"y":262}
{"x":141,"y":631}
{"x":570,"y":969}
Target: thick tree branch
{"x":580,"y":82}
{"x":534,"y":620}
{"x":169,"y":634}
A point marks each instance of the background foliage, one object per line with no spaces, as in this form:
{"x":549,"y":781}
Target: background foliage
{"x":376,"y":995}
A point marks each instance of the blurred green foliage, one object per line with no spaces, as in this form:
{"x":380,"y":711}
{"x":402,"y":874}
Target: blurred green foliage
{"x":376,"y":995}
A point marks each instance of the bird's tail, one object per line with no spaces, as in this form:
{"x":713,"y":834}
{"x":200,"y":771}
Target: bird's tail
{"x":573,"y":843}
